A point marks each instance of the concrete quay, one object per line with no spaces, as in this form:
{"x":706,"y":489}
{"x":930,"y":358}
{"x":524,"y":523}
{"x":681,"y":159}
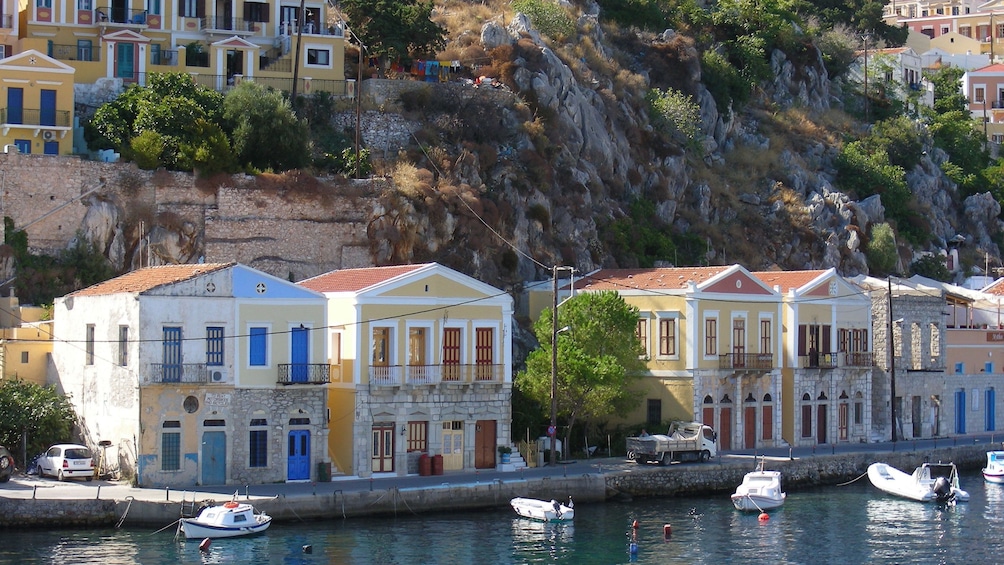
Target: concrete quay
{"x":29,"y":501}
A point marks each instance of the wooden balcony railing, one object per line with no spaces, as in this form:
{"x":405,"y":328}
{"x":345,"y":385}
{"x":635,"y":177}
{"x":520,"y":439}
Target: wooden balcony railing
{"x":397,"y":375}
{"x":746,"y":361}
{"x":179,"y":373}
{"x":304,"y":373}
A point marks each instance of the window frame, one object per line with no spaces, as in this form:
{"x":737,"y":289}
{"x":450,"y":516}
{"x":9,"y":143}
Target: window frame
{"x":215,"y":346}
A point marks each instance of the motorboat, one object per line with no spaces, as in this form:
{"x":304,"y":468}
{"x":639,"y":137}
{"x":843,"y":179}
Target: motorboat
{"x":545,"y":511}
{"x":994,"y":471}
{"x":759,"y":491}
{"x":227,"y":520}
{"x":931,"y":482}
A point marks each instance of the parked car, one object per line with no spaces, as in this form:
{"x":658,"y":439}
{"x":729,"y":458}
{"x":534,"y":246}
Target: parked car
{"x":67,"y":461}
{"x":6,"y":464}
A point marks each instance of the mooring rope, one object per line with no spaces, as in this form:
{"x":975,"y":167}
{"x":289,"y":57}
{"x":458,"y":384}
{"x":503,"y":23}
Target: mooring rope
{"x":124,"y":514}
{"x":854,"y":480}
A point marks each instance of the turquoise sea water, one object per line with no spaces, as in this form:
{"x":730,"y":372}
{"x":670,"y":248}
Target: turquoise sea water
{"x":850,"y":524}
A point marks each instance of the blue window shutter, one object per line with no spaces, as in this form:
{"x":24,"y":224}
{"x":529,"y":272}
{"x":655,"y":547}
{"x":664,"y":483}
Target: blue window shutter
{"x":258,"y":348}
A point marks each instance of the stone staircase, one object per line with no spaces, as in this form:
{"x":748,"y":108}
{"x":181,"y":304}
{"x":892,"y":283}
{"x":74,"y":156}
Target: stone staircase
{"x":516,"y":461}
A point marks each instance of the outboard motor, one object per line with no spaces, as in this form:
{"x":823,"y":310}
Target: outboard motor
{"x":942,"y":490}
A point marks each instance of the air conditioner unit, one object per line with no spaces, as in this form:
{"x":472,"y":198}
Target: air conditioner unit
{"x":48,"y":135}
{"x":218,"y":376}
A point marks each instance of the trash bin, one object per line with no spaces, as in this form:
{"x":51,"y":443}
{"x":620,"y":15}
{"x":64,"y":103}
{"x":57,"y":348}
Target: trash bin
{"x":324,"y":472}
{"x":437,"y":464}
{"x":424,"y":465}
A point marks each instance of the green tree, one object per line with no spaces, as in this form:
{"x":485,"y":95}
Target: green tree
{"x":598,"y":360}
{"x":395,"y":28}
{"x":932,"y":267}
{"x":266,"y":132}
{"x":33,"y":417}
{"x":881,"y":250}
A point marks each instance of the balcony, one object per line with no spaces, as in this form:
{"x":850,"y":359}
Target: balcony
{"x":746,"y":361}
{"x":859,"y":359}
{"x":33,"y":117}
{"x":120,"y":16}
{"x":304,"y":373}
{"x":398,"y":375}
{"x":74,"y":53}
{"x":211,"y":24}
{"x":818,"y":361}
{"x":166,"y":373}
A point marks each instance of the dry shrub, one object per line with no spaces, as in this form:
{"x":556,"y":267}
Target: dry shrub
{"x":411,"y":181}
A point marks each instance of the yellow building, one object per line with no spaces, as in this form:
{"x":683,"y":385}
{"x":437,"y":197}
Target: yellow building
{"x":25,"y":341}
{"x":218,"y":43}
{"x":421,"y":364}
{"x":36,"y":104}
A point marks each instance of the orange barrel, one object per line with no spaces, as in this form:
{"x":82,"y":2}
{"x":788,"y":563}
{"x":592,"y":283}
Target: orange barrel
{"x":437,"y":464}
{"x":424,"y":465}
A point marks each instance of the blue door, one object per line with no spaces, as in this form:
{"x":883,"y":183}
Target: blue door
{"x":960,"y":411}
{"x":124,"y":61}
{"x":47,"y":111}
{"x":50,"y":148}
{"x":299,"y":354}
{"x":214,"y":458}
{"x":15,"y":107}
{"x":991,"y":396}
{"x":298,"y":453}
{"x":172,"y":356}
{"x":23,"y":145}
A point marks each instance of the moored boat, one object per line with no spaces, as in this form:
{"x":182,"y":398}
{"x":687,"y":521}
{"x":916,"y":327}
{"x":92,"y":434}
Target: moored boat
{"x":545,"y":511}
{"x":931,"y":482}
{"x":759,"y":491}
{"x":225,"y":521}
{"x":994,"y":471}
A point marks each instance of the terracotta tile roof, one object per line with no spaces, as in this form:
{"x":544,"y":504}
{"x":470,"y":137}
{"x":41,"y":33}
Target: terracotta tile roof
{"x":787,"y":280}
{"x":995,"y":68}
{"x":148,"y":278}
{"x":663,"y":278}
{"x":996,"y":288}
{"x":353,"y":280}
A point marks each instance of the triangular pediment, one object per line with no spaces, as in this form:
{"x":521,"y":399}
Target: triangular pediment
{"x":32,"y":60}
{"x":125,"y":36}
{"x":235,"y":42}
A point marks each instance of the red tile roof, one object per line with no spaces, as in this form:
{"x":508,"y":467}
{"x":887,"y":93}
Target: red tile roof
{"x":148,"y":278}
{"x":663,"y":278}
{"x":353,"y":280}
{"x":995,"y":68}
{"x":787,"y":280}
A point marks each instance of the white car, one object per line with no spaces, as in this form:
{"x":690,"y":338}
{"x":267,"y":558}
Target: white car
{"x":67,"y":461}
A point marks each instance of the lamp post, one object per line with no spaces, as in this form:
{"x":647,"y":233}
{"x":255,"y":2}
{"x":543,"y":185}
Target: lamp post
{"x":296,"y":56}
{"x":552,"y":430}
{"x":892,"y":361}
{"x":864,"y":38}
{"x":359,"y":87}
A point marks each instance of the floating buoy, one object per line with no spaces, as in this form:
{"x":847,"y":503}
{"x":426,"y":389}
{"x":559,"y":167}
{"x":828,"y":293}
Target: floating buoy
{"x":763,"y":517}
{"x":308,"y":549}
{"x":204,"y":546}
{"x":230,"y":504}
{"x":633,"y":548}
{"x":667,"y":530}
{"x":634,"y":524}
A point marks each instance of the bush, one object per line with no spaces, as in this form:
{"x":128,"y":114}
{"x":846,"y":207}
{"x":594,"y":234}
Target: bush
{"x":146,"y":150}
{"x":674,"y":113}
{"x":881,"y":250}
{"x":724,"y":81}
{"x":549,"y":18}
{"x":932,"y":267}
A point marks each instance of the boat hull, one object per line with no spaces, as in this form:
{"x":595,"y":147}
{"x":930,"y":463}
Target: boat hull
{"x":994,"y":471}
{"x":196,"y":530}
{"x":541,"y":510}
{"x":895,"y":482}
{"x":225,"y":521}
{"x":995,"y":477}
{"x":760,"y":490}
{"x":751,"y":503}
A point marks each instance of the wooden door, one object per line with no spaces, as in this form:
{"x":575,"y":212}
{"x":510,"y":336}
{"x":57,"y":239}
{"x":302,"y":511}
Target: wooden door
{"x":749,"y":427}
{"x":821,"y":423}
{"x":451,"y":354}
{"x":484,"y":444}
{"x":725,"y":428}
{"x":768,"y":422}
{"x":843,"y":415}
{"x":382,"y":459}
{"x":453,"y":445}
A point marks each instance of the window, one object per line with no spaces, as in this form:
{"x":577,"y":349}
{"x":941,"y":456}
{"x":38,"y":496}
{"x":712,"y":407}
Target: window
{"x":258,"y":347}
{"x":89,"y":348}
{"x":189,"y":8}
{"x":256,"y":11}
{"x":418,"y":436}
{"x":711,"y":336}
{"x":43,"y":3}
{"x":959,"y":368}
{"x":979,"y":94}
{"x":653,"y":414}
{"x":641,"y":332}
{"x":24,"y":357}
{"x":153,"y":7}
{"x":320,"y":57}
{"x":381,"y":347}
{"x":484,"y":354}
{"x":154,"y":54}
{"x":417,"y":346}
{"x":172,"y":354}
{"x":258,"y":443}
{"x":765,"y":336}
{"x":667,"y":336}
{"x":214,"y":346}
{"x":83,"y":5}
{"x":124,"y":346}
{"x":170,"y":446}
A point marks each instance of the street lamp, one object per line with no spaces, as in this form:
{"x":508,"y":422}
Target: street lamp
{"x":892,"y":360}
{"x":552,"y":430}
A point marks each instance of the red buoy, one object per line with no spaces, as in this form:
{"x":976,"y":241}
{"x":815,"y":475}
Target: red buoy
{"x":763,"y":517}
{"x":204,"y":546}
{"x":634,"y":524}
{"x":667,"y":530}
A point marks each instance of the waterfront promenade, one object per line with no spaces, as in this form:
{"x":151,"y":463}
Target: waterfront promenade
{"x":33,"y":501}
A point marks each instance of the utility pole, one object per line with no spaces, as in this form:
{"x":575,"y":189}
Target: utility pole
{"x":552,"y":430}
{"x":296,"y":56}
{"x":892,"y":361}
{"x":864,"y":38}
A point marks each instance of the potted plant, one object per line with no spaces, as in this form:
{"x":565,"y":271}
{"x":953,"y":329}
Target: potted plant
{"x":505,"y":452}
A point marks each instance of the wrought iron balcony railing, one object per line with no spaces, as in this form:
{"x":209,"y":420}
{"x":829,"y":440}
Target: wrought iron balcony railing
{"x":179,"y":373}
{"x":746,"y":361}
{"x":304,"y":373}
{"x":116,"y":15}
{"x":859,"y":359}
{"x":33,"y":117}
{"x":818,"y":361}
{"x":74,"y":53}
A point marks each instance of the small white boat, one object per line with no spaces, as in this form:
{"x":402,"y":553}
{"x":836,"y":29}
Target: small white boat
{"x":994,"y":471}
{"x":759,"y":491}
{"x":225,"y":521}
{"x":545,"y":511}
{"x":931,"y":482}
